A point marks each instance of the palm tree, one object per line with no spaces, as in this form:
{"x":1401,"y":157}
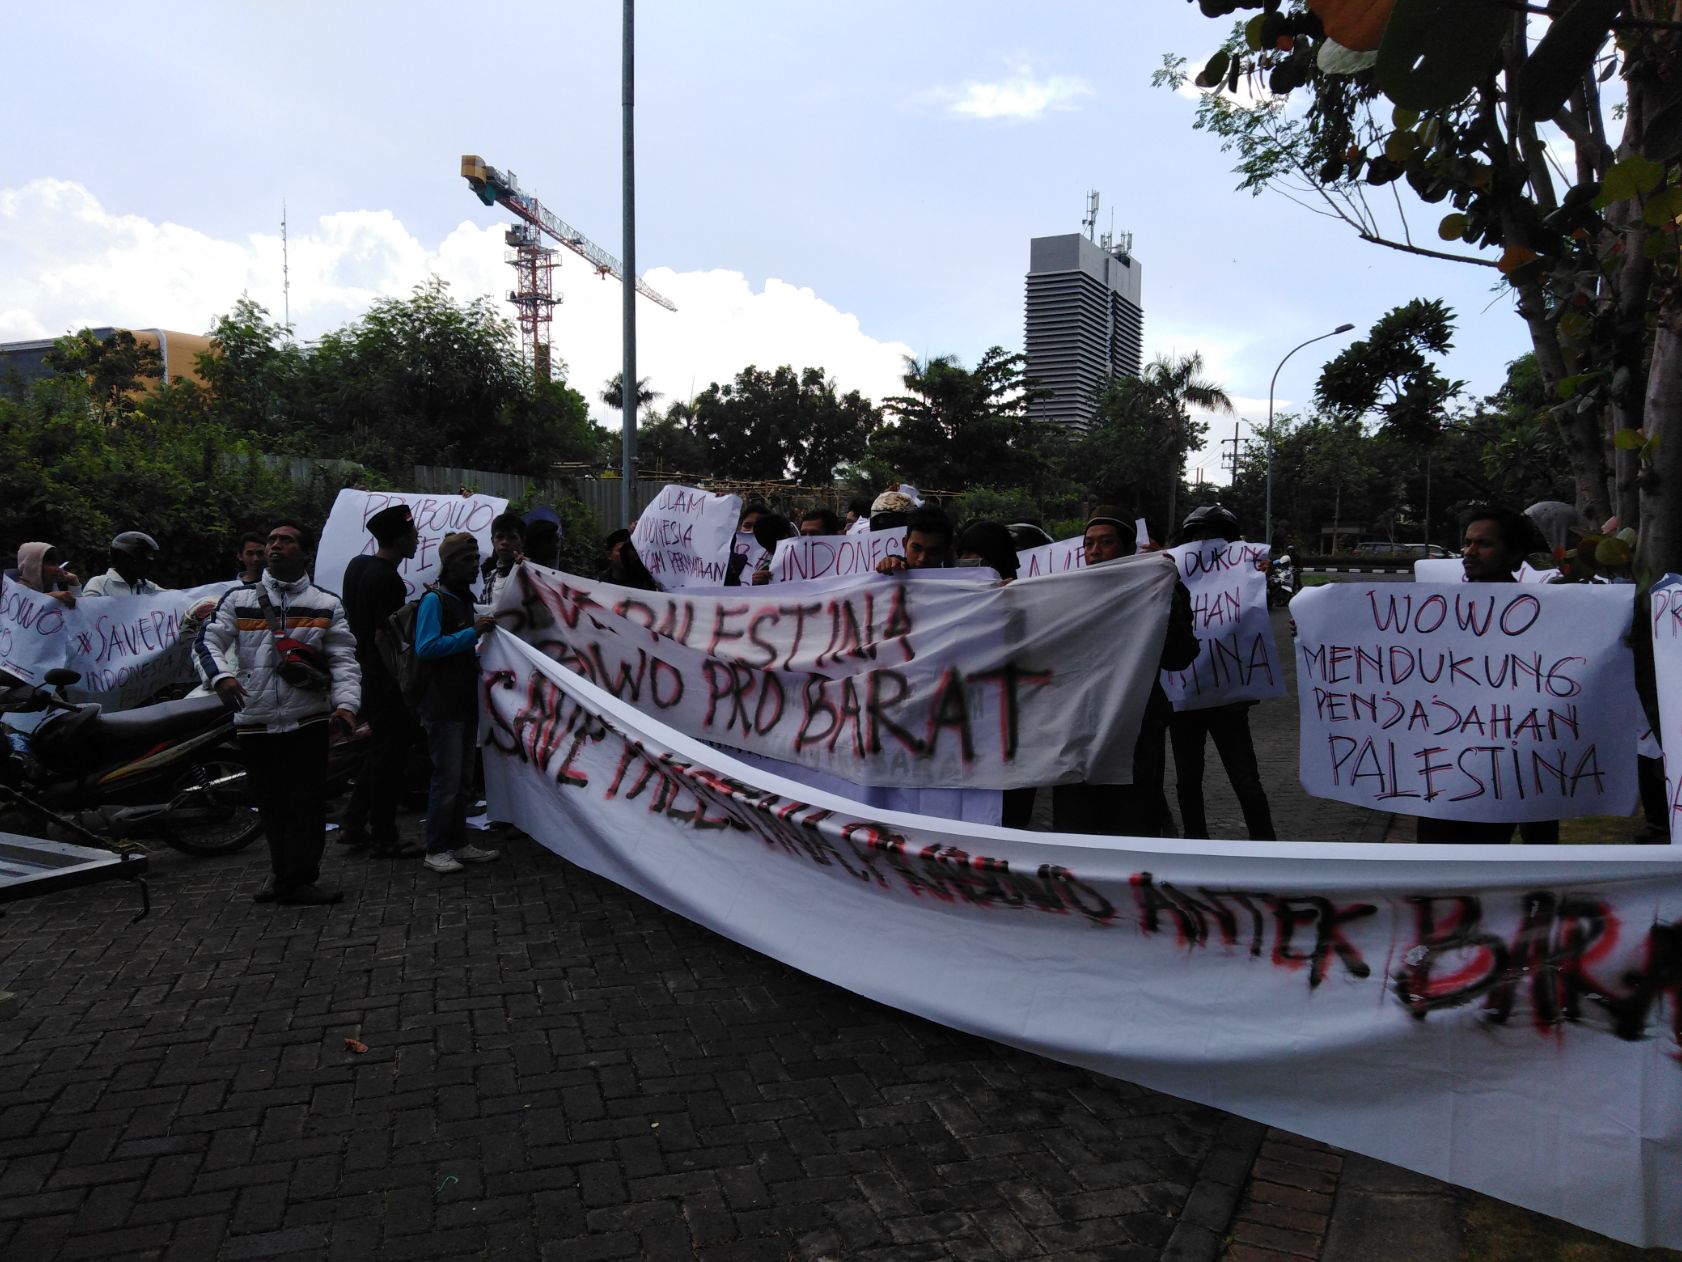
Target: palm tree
{"x":613,"y":394}
{"x":1178,"y":385}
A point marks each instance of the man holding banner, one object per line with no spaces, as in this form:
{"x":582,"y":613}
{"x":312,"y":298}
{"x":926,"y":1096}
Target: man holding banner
{"x":1497,"y":540}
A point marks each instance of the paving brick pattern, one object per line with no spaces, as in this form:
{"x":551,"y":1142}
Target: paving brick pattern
{"x":558,"y":1069}
{"x":555,"y":1069}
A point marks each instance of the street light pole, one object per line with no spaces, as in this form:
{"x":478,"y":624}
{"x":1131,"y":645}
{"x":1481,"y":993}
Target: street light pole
{"x":628,"y":203}
{"x":1267,"y":529}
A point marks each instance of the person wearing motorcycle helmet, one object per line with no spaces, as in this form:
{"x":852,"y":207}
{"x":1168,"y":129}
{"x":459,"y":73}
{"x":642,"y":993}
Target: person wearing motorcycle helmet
{"x":1228,"y":725}
{"x":133,"y":554}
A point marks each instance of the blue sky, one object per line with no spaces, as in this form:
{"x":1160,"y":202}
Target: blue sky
{"x":835,"y":184}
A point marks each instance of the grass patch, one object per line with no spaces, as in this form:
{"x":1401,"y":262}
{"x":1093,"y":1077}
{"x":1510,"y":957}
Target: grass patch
{"x":1498,"y":1232}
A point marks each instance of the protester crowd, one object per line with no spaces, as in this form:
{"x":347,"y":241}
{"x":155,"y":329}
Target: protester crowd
{"x":301,"y":666}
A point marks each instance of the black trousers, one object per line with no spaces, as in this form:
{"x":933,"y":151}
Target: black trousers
{"x":287,"y":776}
{"x":1139,"y":809}
{"x":1229,"y":726}
{"x":1543,"y":832}
{"x":380,"y":780}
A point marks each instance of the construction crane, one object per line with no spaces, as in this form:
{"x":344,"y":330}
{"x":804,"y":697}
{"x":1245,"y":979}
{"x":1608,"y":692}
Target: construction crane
{"x":533,"y":262}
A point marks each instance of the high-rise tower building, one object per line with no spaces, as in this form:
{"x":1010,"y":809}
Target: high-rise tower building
{"x":1084,"y":322}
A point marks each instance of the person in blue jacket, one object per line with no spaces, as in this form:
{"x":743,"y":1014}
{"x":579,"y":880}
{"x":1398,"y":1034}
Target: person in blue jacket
{"x":447,"y":631}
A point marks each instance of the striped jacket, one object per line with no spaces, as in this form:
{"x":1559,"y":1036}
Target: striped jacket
{"x":236,"y":642}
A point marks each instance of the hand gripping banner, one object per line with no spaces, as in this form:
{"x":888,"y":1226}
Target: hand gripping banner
{"x":938,"y":678}
{"x":1506,"y":1018}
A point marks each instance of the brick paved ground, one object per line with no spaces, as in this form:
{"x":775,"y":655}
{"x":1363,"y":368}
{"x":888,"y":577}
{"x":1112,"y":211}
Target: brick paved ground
{"x":555,"y":1068}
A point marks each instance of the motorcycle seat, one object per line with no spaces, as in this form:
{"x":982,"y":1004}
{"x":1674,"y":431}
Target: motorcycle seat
{"x":91,"y":736}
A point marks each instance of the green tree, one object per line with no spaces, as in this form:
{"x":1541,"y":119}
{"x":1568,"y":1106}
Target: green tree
{"x":770,"y":425}
{"x":1134,"y":452}
{"x":1457,"y":104}
{"x":253,"y":370}
{"x":957,"y":428}
{"x":613,"y":393}
{"x":1389,"y":372}
{"x":115,"y":368}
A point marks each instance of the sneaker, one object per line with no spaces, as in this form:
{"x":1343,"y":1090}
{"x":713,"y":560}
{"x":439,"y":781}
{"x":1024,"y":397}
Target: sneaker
{"x":443,"y":861}
{"x":472,"y":854}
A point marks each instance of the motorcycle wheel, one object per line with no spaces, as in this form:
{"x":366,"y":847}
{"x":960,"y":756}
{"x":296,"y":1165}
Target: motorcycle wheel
{"x":214,"y":817}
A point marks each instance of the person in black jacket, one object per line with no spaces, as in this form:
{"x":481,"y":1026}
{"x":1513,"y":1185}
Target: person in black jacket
{"x":1139,"y":809}
{"x":447,"y":631}
{"x":373,"y":591}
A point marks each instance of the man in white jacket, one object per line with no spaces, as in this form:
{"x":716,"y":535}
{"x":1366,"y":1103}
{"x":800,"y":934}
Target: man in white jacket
{"x":280,"y":653}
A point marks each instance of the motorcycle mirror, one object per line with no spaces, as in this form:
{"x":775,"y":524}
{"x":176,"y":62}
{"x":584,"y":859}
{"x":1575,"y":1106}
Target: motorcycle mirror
{"x":58,"y":677}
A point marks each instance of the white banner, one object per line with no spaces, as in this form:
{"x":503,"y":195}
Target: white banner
{"x":834,"y":556}
{"x":1506,"y":1018}
{"x":126,"y":648}
{"x":346,"y":533}
{"x":684,"y":536}
{"x":1665,"y":618}
{"x":1487,"y":701}
{"x":934,"y":678}
{"x":1237,"y":659}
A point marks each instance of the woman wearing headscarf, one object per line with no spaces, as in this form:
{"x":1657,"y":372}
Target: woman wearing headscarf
{"x":40,"y":570}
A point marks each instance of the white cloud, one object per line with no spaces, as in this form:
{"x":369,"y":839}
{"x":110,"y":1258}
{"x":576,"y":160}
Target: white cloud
{"x":1020,"y":97}
{"x":68,"y":262}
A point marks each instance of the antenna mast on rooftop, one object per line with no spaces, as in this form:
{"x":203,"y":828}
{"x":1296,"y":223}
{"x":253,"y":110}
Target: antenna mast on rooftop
{"x":1090,"y":223}
{"x":285,"y":274}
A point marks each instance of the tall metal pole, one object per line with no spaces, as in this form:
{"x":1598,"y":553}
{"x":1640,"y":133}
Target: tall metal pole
{"x":1267,"y":529}
{"x":628,"y":371}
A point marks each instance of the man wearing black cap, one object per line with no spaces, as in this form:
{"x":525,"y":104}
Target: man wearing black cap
{"x":1141,"y":808}
{"x":374,"y":590}
{"x":133,"y":554}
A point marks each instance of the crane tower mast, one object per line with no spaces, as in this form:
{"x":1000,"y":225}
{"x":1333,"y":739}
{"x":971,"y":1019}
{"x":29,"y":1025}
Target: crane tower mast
{"x":534,"y":262}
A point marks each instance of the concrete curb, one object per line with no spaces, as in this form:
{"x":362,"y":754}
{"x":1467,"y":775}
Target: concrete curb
{"x":1200,"y":1234}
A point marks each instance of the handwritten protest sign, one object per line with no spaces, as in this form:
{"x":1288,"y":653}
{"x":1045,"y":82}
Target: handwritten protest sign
{"x":1430,"y":1006}
{"x":1665,"y":617}
{"x":938,"y":678}
{"x":126,"y":648}
{"x":1482,"y":701}
{"x":834,"y":556}
{"x":1237,"y":659}
{"x":346,"y":533}
{"x":1052,"y":558}
{"x":683,"y":537}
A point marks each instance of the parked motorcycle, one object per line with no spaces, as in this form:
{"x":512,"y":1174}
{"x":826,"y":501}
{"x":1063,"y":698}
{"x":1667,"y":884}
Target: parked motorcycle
{"x":1281,"y":581}
{"x":170,"y":770}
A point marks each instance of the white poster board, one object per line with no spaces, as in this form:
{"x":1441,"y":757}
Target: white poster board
{"x":346,"y":533}
{"x":1237,"y":659}
{"x":833,"y":556}
{"x":684,"y":536}
{"x":1501,"y":1017}
{"x":1664,"y":616}
{"x":1478,"y":701}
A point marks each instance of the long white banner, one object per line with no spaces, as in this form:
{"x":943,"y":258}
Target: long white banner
{"x":346,"y":533}
{"x":1483,"y":701}
{"x":1506,"y":1018}
{"x":126,"y":648}
{"x":933,"y":678}
{"x":1237,"y":659}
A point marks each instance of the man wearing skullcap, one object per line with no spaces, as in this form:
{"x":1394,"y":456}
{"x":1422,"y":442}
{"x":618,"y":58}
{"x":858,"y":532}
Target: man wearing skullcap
{"x":374,"y":590}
